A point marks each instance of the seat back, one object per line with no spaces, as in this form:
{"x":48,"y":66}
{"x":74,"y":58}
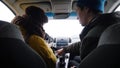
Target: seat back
{"x":107,"y":54}
{"x":14,"y":52}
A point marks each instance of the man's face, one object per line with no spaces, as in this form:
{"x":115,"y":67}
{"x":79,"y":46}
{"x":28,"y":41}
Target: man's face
{"x":81,"y":16}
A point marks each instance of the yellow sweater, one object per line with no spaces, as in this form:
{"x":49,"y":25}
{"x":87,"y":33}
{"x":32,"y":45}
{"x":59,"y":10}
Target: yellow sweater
{"x":42,"y":48}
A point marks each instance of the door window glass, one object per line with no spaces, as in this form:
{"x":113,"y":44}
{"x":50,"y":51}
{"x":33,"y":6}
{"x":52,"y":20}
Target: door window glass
{"x":5,"y":13}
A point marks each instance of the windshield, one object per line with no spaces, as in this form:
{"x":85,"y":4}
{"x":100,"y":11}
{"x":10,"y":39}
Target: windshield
{"x":64,"y":28}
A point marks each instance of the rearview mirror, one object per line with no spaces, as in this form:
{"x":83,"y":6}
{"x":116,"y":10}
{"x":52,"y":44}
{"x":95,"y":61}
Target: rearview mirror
{"x":61,"y":15}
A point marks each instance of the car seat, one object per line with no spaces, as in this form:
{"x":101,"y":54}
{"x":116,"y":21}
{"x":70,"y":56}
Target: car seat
{"x":14,"y":52}
{"x":107,"y":54}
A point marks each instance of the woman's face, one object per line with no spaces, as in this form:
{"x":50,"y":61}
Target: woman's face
{"x":81,"y":16}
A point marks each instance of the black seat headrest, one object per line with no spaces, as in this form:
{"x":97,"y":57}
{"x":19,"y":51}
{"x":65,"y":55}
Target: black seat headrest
{"x":107,"y":54}
{"x":111,"y":35}
{"x":8,"y":30}
{"x":14,"y":52}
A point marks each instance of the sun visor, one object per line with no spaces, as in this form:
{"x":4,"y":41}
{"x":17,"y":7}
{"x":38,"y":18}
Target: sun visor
{"x":46,"y":6}
{"x":61,"y":6}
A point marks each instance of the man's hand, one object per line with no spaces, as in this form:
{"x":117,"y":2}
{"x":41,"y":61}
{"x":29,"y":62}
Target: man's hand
{"x":60,"y":51}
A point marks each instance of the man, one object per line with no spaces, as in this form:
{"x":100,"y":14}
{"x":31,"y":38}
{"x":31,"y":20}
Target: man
{"x":90,"y":14}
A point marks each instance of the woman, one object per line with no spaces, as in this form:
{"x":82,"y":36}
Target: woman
{"x":31,"y":26}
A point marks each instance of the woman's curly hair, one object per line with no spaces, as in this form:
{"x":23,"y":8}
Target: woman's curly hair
{"x":32,"y":21}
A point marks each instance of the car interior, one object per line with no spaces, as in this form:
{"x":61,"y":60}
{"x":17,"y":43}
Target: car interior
{"x":62,"y":16}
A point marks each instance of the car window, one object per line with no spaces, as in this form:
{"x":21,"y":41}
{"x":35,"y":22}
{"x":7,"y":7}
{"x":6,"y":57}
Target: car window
{"x":118,"y":8}
{"x":5,"y":13}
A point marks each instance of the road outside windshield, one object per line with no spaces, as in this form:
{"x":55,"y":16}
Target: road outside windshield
{"x":64,"y":28}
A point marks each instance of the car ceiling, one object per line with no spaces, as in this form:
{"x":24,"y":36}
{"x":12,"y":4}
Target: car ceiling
{"x":56,"y":7}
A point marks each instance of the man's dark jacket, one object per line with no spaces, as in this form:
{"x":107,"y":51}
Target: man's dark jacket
{"x":92,"y":32}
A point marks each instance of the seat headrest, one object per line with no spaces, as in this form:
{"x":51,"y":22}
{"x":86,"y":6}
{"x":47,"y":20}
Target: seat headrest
{"x":111,"y":35}
{"x":8,"y":30}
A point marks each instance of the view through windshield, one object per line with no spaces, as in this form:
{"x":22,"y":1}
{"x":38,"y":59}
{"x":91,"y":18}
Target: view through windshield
{"x":64,"y":28}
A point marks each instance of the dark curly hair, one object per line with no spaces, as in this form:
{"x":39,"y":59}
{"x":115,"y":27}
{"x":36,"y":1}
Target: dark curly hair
{"x":32,"y":21}
{"x":37,"y":14}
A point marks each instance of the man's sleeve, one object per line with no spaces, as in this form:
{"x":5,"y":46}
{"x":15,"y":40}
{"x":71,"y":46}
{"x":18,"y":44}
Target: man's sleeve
{"x":74,"y":48}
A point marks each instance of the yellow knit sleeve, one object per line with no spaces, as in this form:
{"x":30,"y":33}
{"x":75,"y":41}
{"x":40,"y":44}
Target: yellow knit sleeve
{"x":42,"y":48}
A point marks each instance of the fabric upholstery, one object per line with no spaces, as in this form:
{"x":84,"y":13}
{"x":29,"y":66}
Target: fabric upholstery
{"x":107,"y":54}
{"x":14,"y":52}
